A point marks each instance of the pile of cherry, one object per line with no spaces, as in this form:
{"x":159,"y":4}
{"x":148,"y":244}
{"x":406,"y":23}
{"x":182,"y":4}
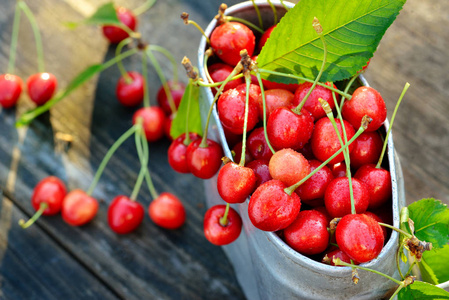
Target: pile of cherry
{"x":290,"y":190}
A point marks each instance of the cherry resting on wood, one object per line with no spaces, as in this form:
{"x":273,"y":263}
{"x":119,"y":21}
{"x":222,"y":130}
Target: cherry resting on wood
{"x":10,"y":90}
{"x":41,"y":87}
{"x":124,"y":215}
{"x":167,"y":211}
{"x":78,"y":208}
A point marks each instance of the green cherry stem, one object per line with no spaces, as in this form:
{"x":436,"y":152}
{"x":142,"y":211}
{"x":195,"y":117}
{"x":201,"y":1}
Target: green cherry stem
{"x":14,"y":38}
{"x":243,"y":21}
{"x":170,"y":57}
{"x":274,"y":12}
{"x":396,"y":229}
{"x":143,"y":157}
{"x":146,"y":91}
{"x":37,"y":35}
{"x":348,"y":86}
{"x":285,"y":6}
{"x":407,"y":85}
{"x":224,"y":220}
{"x":245,"y":122}
{"x":142,"y":151}
{"x":42,"y":207}
{"x":259,"y":17}
{"x":108,"y":156}
{"x":144,"y":7}
{"x":396,"y":292}
{"x":120,"y":66}
{"x":264,"y":106}
{"x":216,"y":84}
{"x":187,"y":139}
{"x":185,"y":18}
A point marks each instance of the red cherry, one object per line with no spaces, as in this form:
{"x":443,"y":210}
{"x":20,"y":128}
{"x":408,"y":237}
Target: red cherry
{"x":315,"y":186}
{"x":337,"y":197}
{"x":204,"y":162}
{"x":323,"y":210}
{"x":167,"y":126}
{"x":307,"y":151}
{"x":378,"y":219}
{"x":177,"y":153}
{"x":338,"y":169}
{"x":215,"y":232}
{"x":274,"y":98}
{"x":365,"y":101}
{"x":124,"y":215}
{"x":235,"y":182}
{"x":288,"y":166}
{"x":50,"y":190}
{"x":360,"y":237}
{"x":271,"y":208}
{"x":378,"y":181}
{"x":114,"y":33}
{"x":229,"y":39}
{"x":312,"y":103}
{"x":219,"y":72}
{"x":261,"y":170}
{"x":130,"y":94}
{"x":167,"y":211}
{"x":237,"y":153}
{"x":41,"y":87}
{"x":10,"y":90}
{"x":308,"y":233}
{"x":336,"y":253}
{"x":367,"y":149}
{"x":177,"y":91}
{"x":153,"y":122}
{"x":78,"y":208}
{"x":264,"y":37}
{"x":257,"y":146}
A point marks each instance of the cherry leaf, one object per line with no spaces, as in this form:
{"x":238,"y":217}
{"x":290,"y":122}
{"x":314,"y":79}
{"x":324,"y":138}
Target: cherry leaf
{"x":427,"y":274}
{"x":422,"y":290}
{"x":105,"y":14}
{"x":436,"y":260}
{"x":352,"y":30}
{"x":431,"y":219}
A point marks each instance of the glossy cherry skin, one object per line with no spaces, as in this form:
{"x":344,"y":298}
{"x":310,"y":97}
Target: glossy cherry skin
{"x":337,"y":198}
{"x":308,"y":233}
{"x":235,"y":182}
{"x":338,"y":169}
{"x":130,"y":93}
{"x":378,"y":181}
{"x":115,"y":34}
{"x":315,"y":187}
{"x":264,"y":37}
{"x":257,"y":146}
{"x":312,"y":103}
{"x":274,"y":98}
{"x":204,"y":162}
{"x":124,"y":215}
{"x":167,"y":211}
{"x":288,"y":166}
{"x":50,"y":190}
{"x":378,"y":219}
{"x":261,"y":170}
{"x":336,"y":253}
{"x":10,"y":90}
{"x":177,"y":91}
{"x":41,"y":87}
{"x":177,"y":153}
{"x":365,"y":101}
{"x":78,"y":208}
{"x":367,"y":149}
{"x":360,"y":237}
{"x":229,"y":39}
{"x":153,"y":122}
{"x":271,"y":208}
{"x":167,"y":126}
{"x":219,"y":72}
{"x":237,"y":153}
{"x":325,"y":141}
{"x":286,"y":129}
{"x":218,"y":234}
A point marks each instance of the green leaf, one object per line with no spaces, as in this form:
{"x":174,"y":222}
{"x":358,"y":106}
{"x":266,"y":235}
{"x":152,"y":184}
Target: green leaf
{"x":421,"y":290}
{"x":437,"y":260}
{"x":178,"y":127}
{"x":352,"y":30}
{"x":431,"y":219}
{"x":427,"y":274}
{"x":105,"y":14}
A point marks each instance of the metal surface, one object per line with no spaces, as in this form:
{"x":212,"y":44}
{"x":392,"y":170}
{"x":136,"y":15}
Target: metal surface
{"x":265,"y":266}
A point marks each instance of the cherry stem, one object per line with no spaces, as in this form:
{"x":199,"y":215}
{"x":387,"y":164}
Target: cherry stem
{"x":274,"y":12}
{"x":215,"y":84}
{"x":307,"y":80}
{"x":37,"y":35}
{"x":187,"y":139}
{"x":190,"y":22}
{"x":14,"y":38}
{"x":144,"y":7}
{"x":243,"y":21}
{"x":395,"y":229}
{"x":108,"y":156}
{"x":170,"y":57}
{"x":224,"y":220}
{"x":289,"y":190}
{"x":264,"y":106}
{"x":42,"y":207}
{"x":398,"y":253}
{"x":348,"y":86}
{"x":285,"y":6}
{"x":120,"y":66}
{"x":159,"y":72}
{"x":384,"y":147}
{"x":245,"y":122}
{"x":259,"y":17}
{"x":146,"y":91}
{"x":297,"y":110}
{"x":142,"y":151}
{"x":400,"y":287}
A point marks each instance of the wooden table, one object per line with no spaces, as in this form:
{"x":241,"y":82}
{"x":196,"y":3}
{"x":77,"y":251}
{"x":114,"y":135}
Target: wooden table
{"x":53,"y":260}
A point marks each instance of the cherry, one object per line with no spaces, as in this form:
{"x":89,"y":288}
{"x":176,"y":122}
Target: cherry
{"x":365,"y":101}
{"x":378,"y":219}
{"x":177,"y":91}
{"x":254,"y":92}
{"x":229,"y":39}
{"x":367,"y":149}
{"x":177,"y":153}
{"x":50,"y":190}
{"x":315,"y":187}
{"x":114,"y":33}
{"x":325,"y":141}
{"x":237,"y":153}
{"x":271,"y":208}
{"x":322,"y":209}
{"x":153,"y":122}
{"x":219,"y":72}
{"x":337,"y":197}
{"x":312,"y":103}
{"x":167,"y":126}
{"x":124,"y":214}
{"x":261,"y":170}
{"x":360,"y":237}
{"x":219,"y":234}
{"x":204,"y":162}
{"x":336,"y":253}
{"x":10,"y":90}
{"x":167,"y":211}
{"x":41,"y":87}
{"x":286,"y":129}
{"x":78,"y":208}
{"x":308,"y":233}
{"x":264,"y":37}
{"x":288,"y":166}
{"x":273,"y":99}
{"x":378,"y":181}
{"x":257,"y":146}
{"x":235,"y":182}
{"x":130,"y":93}
{"x":307,"y":151}
{"x":338,"y":169}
